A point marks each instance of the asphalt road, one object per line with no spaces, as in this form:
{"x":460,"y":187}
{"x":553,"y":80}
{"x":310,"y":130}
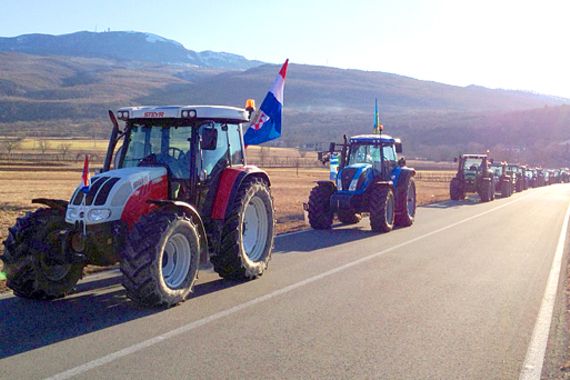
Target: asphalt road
{"x":455,"y":296}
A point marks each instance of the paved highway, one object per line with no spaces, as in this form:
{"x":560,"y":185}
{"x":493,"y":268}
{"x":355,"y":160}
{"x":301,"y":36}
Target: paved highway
{"x":455,"y":296}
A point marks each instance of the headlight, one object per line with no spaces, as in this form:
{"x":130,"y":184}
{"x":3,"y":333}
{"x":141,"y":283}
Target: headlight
{"x":99,"y":214}
{"x":71,"y":213}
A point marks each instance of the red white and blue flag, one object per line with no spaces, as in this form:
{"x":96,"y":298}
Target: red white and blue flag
{"x":85,"y":180}
{"x":266,"y":124}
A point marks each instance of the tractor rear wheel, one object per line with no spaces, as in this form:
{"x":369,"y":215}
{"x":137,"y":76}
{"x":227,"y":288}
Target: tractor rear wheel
{"x":506,"y":188}
{"x":382,"y":209}
{"x":486,"y":190}
{"x":349,"y":217}
{"x":247,"y":235}
{"x":407,"y":204}
{"x":455,"y":191}
{"x":30,"y":272}
{"x":161,"y":259}
{"x":320,"y":213}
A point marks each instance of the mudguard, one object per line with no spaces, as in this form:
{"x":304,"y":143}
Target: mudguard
{"x":230,"y":181}
{"x":193,"y":214}
{"x":58,"y":204}
{"x":329,"y":184}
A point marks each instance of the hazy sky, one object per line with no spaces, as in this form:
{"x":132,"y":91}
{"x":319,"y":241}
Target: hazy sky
{"x":499,"y":44}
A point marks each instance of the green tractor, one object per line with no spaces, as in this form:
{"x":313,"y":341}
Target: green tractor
{"x":473,"y":176}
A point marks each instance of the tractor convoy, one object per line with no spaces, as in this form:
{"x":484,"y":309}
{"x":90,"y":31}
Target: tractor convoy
{"x":477,"y":173}
{"x":176,"y":192}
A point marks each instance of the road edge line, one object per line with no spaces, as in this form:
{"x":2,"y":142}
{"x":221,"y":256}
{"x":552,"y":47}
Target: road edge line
{"x":82,"y":368}
{"x":535,"y":355}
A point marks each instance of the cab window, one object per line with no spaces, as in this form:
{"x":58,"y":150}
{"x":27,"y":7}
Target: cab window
{"x":389,"y":152}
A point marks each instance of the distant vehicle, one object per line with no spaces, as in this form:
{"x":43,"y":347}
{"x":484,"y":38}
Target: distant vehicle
{"x":504,"y":181}
{"x":370,"y":179}
{"x":473,"y":176}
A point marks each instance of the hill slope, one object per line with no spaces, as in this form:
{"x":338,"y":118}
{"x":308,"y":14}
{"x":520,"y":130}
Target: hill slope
{"x":129,"y":46}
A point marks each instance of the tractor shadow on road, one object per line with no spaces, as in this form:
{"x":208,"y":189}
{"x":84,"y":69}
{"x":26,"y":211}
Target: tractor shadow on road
{"x":471,"y":201}
{"x":27,"y":325}
{"x":312,"y":240}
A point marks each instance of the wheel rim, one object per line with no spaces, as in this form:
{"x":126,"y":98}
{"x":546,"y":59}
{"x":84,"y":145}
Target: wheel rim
{"x":390,"y":209}
{"x":255,"y":229}
{"x":411,"y":201}
{"x":176,"y":260}
{"x":54,"y":272}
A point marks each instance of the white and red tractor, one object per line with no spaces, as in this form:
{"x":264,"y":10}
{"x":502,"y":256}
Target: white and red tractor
{"x":175,"y":191}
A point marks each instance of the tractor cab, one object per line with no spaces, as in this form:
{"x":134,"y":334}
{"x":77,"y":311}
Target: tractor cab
{"x":368,"y":158}
{"x":192,"y":145}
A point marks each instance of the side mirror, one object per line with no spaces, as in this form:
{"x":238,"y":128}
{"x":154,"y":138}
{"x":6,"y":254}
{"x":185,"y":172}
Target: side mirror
{"x":208,"y":138}
{"x":399,"y":147}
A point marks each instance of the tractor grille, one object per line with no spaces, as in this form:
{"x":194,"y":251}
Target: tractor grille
{"x":99,"y":191}
{"x":346,"y":177}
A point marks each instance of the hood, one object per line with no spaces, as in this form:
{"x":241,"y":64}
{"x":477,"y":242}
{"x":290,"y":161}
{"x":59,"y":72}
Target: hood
{"x":109,"y":193}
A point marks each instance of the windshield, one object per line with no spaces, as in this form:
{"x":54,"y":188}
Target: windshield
{"x":157,"y":144}
{"x":364,"y":154}
{"x":472,"y":164}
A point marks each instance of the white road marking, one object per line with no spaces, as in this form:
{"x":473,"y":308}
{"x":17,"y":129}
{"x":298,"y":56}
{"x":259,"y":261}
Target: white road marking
{"x":532,"y":366}
{"x":224,"y":313}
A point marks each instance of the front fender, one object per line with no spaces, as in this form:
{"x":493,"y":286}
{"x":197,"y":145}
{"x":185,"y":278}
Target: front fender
{"x":192,"y":213}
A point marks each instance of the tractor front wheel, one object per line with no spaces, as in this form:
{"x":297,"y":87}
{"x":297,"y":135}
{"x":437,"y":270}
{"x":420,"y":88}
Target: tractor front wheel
{"x":382,"y":209}
{"x":455,"y":191}
{"x":160,"y":262}
{"x":486,"y":190}
{"x":247,"y":235}
{"x":320,"y":213}
{"x":29,"y":270}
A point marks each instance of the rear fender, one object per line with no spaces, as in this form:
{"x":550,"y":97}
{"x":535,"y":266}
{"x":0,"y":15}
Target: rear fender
{"x":187,"y":209}
{"x":230,"y":181}
{"x":329,"y":184}
{"x":58,"y":204}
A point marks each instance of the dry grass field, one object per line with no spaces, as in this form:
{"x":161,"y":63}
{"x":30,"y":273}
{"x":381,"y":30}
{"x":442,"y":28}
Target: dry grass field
{"x":290,"y":188}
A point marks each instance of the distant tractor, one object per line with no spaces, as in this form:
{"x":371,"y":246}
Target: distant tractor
{"x":473,"y":176}
{"x":370,"y":179}
{"x":180,"y":192}
{"x":504,"y":179}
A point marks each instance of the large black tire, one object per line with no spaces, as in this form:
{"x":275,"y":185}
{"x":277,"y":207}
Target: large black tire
{"x":29,"y":272}
{"x":486,"y":190}
{"x":506,"y":188}
{"x":382,"y":209}
{"x":406,"y":204}
{"x":243,"y":255}
{"x":161,"y":258}
{"x":320,"y":213}
{"x":349,"y":217}
{"x":455,"y":191}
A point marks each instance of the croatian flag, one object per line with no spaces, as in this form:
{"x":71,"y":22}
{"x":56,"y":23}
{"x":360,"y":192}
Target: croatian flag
{"x":266,"y":124}
{"x":85,"y":180}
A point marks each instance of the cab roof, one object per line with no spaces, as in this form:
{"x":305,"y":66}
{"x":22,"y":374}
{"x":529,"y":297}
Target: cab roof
{"x":184,"y":112}
{"x":374,"y":139}
{"x":473,"y":155}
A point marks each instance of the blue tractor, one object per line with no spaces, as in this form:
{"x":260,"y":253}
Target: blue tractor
{"x":370,"y":179}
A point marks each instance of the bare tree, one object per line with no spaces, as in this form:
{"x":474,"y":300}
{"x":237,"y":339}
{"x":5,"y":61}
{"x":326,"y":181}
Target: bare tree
{"x":10,"y":145}
{"x":64,"y":149}
{"x":43,"y":146}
